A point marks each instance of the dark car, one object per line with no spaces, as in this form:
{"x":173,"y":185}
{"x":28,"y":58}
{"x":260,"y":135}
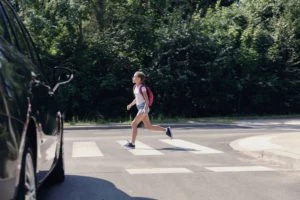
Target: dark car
{"x":31,"y":123}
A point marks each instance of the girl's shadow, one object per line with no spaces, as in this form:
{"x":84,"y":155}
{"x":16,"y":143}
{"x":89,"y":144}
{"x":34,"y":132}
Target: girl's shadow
{"x":176,"y":149}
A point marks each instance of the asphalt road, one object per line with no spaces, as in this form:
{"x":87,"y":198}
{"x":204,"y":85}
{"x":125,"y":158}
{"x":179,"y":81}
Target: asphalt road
{"x":198,"y":164}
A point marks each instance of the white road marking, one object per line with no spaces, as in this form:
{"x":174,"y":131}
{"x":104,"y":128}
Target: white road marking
{"x":141,"y":149}
{"x":240,"y":169}
{"x":191,"y":147}
{"x":85,"y":149}
{"x":159,"y":171}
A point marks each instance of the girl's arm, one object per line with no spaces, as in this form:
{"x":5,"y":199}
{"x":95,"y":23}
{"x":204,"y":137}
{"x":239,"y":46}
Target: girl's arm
{"x":131,"y":104}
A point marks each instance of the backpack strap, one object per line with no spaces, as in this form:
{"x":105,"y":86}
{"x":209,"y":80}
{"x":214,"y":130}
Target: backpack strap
{"x":142,"y":85}
{"x":142,"y":91}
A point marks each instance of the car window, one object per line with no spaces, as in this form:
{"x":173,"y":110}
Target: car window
{"x":17,"y":34}
{"x":2,"y":26}
{"x":31,"y":46}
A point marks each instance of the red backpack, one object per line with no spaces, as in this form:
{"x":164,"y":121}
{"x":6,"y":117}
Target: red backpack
{"x":149,"y":93}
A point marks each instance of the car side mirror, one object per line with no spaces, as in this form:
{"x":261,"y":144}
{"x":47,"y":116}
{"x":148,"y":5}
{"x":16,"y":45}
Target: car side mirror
{"x":61,"y":76}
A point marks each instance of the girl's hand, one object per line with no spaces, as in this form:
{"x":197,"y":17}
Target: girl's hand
{"x":129,"y":106}
{"x":145,"y":109}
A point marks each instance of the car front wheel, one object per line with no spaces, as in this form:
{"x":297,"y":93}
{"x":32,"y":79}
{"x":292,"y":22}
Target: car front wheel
{"x":28,"y":186}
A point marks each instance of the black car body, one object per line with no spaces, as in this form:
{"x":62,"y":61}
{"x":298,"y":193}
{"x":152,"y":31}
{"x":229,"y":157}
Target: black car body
{"x":31,"y":125}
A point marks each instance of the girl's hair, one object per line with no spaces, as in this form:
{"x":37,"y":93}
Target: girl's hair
{"x":141,"y":75}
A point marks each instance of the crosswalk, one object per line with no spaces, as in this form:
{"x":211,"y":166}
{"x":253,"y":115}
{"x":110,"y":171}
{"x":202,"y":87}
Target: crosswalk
{"x":159,"y":171}
{"x":141,"y":149}
{"x":91,"y":149}
{"x":191,"y":147}
{"x":240,"y":169}
{"x":83,"y":149}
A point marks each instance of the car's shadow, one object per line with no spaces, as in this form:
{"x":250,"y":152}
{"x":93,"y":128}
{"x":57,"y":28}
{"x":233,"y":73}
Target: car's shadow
{"x":84,"y":188}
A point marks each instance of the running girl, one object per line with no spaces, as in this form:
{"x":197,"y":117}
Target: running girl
{"x":142,"y":103}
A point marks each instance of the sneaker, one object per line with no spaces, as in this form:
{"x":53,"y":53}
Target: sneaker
{"x":169,"y":132}
{"x":130,"y":145}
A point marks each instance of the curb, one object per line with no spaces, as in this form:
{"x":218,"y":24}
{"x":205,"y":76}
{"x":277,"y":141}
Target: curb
{"x":277,"y":155}
{"x":286,"y":123}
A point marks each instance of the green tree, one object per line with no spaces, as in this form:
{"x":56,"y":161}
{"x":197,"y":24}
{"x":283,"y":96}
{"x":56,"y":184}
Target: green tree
{"x":201,"y":57}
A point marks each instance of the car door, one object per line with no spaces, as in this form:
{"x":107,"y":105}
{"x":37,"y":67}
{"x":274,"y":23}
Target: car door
{"x":44,"y":110}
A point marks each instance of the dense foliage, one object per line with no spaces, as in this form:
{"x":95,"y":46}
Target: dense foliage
{"x":202,"y":57}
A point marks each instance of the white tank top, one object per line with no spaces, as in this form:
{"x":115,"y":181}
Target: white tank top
{"x":139,"y":99}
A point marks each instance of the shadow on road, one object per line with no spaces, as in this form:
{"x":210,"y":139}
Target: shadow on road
{"x":176,"y":149}
{"x":84,"y":188}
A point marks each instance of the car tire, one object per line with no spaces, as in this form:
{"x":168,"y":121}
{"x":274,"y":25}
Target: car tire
{"x":58,"y":173}
{"x":28,"y":183}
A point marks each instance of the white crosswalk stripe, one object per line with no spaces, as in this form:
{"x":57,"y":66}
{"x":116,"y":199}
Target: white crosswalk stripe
{"x":141,"y":149}
{"x":85,"y":149}
{"x":191,"y":147}
{"x":240,"y":169}
{"x":159,"y":171}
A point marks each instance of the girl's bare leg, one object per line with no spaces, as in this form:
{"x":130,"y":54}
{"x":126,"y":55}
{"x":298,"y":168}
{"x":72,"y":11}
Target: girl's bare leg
{"x":139,"y":117}
{"x":151,"y":127}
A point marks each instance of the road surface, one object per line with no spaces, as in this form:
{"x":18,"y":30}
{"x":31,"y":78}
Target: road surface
{"x":198,"y":164}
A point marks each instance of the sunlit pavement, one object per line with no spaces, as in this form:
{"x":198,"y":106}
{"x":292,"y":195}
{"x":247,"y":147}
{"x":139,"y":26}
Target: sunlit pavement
{"x":198,"y":163}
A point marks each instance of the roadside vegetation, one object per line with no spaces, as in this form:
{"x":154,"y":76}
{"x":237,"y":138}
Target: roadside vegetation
{"x":203,"y":58}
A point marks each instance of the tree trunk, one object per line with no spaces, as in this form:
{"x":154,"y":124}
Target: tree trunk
{"x":99,"y":13}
